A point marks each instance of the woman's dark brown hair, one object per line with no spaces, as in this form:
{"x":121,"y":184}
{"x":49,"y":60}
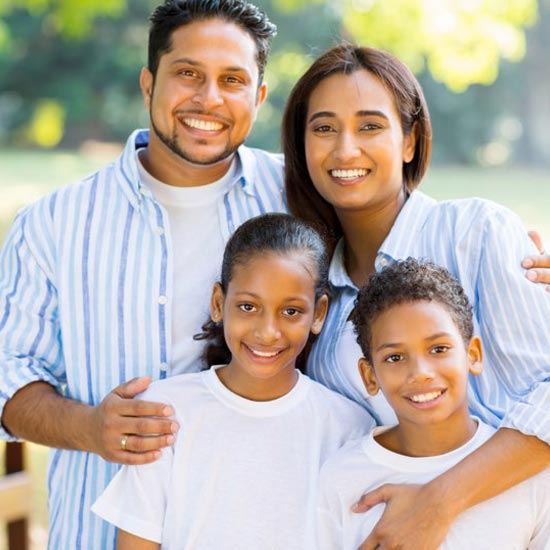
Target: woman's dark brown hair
{"x":303,"y":199}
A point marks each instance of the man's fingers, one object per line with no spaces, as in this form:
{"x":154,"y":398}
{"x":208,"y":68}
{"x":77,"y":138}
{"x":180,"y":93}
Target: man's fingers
{"x":148,"y":426}
{"x":133,"y":387}
{"x":372,"y":498}
{"x":133,"y":459}
{"x":136,"y":407}
{"x":144,"y":445}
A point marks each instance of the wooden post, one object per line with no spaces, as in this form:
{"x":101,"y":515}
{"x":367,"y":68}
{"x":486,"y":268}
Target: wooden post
{"x":18,"y":528}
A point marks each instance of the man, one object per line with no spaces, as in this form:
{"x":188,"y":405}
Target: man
{"x":109,"y":279}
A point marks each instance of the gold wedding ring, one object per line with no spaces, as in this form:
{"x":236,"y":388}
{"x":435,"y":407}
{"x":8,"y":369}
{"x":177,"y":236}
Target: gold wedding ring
{"x":123,"y":441}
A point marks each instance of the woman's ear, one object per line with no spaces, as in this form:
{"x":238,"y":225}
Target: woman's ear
{"x":409,"y":144}
{"x":366,"y":370}
{"x":475,"y":355}
{"x":216,"y":303}
{"x":319,"y":316}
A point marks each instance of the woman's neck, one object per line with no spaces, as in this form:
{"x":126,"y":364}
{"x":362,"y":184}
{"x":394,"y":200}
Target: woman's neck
{"x":364,"y":232}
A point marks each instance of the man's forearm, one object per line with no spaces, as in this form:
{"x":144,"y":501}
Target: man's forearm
{"x":38,"y":413}
{"x":505,"y":460}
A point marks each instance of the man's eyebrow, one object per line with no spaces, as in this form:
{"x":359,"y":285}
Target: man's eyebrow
{"x":361,"y":113}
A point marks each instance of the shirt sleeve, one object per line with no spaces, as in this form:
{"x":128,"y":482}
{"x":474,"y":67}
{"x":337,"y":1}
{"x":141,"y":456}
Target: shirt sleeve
{"x":136,"y":498}
{"x":30,"y":347}
{"x":514,"y":320}
{"x":329,"y":516}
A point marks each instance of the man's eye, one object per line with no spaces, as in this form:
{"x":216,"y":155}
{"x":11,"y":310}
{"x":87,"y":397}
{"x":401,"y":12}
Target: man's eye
{"x":187,"y":72}
{"x":246,"y":307}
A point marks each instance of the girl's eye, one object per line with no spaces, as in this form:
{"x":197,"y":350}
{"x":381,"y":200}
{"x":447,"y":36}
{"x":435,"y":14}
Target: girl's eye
{"x":393,"y":358}
{"x":247,"y":308}
{"x":291,"y":311}
{"x":440,"y":349}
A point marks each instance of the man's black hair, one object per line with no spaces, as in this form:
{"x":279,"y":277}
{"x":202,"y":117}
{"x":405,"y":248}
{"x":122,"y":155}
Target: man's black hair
{"x":409,"y":281}
{"x":176,"y":13}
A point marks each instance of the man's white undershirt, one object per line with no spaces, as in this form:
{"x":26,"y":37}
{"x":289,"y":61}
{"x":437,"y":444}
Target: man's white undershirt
{"x":198,"y":244}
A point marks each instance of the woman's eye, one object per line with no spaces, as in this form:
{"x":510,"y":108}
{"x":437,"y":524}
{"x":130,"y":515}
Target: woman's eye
{"x":246,"y":307}
{"x":370,"y":126}
{"x":323,"y":129}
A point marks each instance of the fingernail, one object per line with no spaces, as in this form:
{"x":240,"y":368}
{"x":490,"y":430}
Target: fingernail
{"x":170,"y":440}
{"x":355,"y":507}
{"x":527,"y":263}
{"x":531,"y":275}
{"x":174,"y":428}
{"x":168,"y":411}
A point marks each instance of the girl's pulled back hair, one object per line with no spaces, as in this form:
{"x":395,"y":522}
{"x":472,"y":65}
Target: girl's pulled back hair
{"x":269,"y":233}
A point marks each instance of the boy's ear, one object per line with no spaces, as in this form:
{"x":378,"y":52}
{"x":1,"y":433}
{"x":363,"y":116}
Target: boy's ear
{"x":475,"y":355}
{"x":216,"y":303}
{"x":368,"y":376}
{"x":321,"y":308}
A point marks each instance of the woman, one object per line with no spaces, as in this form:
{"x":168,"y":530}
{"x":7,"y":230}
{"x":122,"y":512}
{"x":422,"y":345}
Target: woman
{"x":357,"y":142}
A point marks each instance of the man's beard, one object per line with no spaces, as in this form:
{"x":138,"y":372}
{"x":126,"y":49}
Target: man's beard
{"x":172,"y":143}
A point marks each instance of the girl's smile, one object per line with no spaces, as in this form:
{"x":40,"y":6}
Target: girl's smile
{"x":268,"y":311}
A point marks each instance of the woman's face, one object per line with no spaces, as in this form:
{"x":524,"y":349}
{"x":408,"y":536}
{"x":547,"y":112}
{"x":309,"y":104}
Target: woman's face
{"x":355,"y":147}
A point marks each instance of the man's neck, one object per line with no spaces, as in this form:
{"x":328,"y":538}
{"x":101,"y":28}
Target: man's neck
{"x":171,"y":169}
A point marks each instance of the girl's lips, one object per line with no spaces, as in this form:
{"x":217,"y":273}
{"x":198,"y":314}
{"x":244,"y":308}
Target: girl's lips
{"x":263,"y":356}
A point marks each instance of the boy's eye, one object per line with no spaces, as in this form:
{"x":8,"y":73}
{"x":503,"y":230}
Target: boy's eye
{"x":440,"y":349}
{"x":393,"y":358}
{"x":247,"y":307}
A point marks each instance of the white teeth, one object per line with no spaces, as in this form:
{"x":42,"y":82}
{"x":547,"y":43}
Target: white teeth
{"x":203,"y":124}
{"x":349,"y":174}
{"x":263,"y":353}
{"x":425,"y":397}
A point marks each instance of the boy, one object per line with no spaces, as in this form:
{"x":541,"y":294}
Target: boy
{"x":414,"y":325}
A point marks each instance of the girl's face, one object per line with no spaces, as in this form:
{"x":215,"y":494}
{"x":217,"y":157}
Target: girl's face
{"x":268,"y":313}
{"x":354,"y":144}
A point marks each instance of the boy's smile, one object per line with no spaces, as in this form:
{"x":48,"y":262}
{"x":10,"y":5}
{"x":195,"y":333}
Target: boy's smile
{"x":421,"y":364}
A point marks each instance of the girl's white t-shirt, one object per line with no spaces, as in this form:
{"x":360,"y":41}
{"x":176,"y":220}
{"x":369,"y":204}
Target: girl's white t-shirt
{"x":242,"y":475}
{"x":195,"y":230}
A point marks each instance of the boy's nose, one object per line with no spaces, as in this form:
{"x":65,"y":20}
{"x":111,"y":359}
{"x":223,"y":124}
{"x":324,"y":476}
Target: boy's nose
{"x":420,"y":369}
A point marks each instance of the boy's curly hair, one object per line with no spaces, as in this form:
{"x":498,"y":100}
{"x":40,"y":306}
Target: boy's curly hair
{"x":408,"y":281}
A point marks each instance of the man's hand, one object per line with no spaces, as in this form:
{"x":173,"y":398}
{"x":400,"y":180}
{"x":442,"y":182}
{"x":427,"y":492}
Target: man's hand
{"x":538,"y":267}
{"x":130,"y":431}
{"x":412,"y":520}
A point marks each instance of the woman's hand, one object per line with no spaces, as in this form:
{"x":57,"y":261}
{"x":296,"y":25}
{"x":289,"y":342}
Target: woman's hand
{"x":538,"y":267}
{"x":414,"y":518}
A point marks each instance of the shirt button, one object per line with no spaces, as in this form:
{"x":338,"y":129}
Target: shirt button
{"x":163,"y":367}
{"x":383,"y":262}
{"x":163,"y":300}
{"x":159,"y":231}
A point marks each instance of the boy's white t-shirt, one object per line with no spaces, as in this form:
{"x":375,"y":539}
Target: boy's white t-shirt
{"x":517,"y":519}
{"x":194,"y":215}
{"x":242,"y":475}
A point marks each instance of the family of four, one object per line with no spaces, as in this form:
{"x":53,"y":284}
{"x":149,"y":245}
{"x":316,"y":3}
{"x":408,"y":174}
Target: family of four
{"x":320,"y":389}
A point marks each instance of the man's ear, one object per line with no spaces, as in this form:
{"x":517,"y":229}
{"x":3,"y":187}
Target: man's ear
{"x":366,"y":370}
{"x":261,"y":94}
{"x":475,"y":355}
{"x":146,"y":80}
{"x":409,"y":144}
{"x":321,"y":308}
{"x":216,"y":303}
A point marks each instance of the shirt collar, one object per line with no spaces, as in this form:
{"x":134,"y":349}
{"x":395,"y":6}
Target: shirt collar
{"x":397,"y":245}
{"x":127,"y":172}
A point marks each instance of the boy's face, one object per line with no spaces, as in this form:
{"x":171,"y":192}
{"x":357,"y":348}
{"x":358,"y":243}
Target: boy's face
{"x":420,"y":363}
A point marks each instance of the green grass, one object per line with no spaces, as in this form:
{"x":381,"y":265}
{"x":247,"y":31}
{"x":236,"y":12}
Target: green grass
{"x":25,"y":176}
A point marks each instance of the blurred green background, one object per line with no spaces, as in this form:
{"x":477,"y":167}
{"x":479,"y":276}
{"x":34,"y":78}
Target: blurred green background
{"x":69,"y":96}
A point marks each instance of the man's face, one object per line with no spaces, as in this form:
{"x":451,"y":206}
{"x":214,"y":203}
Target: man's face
{"x":205,"y":95}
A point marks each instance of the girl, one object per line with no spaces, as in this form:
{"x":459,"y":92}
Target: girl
{"x":254,"y":431}
{"x":357,"y":142}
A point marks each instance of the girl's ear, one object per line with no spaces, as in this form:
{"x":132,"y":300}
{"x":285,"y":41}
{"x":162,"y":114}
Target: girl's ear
{"x":368,"y":376}
{"x":321,"y":308}
{"x":216,"y":303}
{"x":475,"y":355}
